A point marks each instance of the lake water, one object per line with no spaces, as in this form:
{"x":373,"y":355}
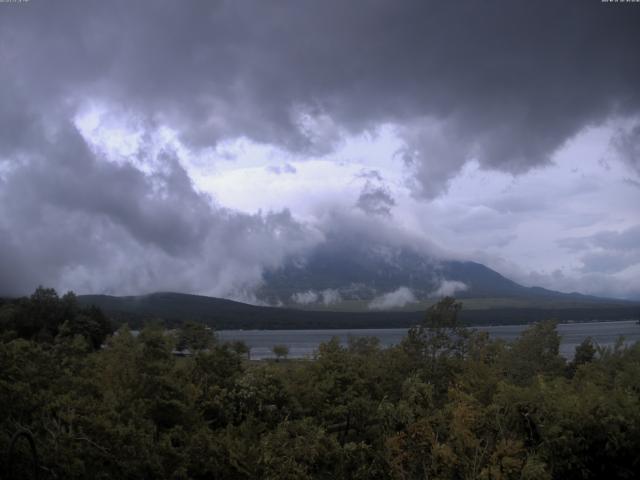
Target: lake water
{"x":303,"y":343}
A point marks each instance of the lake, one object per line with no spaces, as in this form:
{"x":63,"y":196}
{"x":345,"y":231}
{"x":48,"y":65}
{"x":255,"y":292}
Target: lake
{"x":303,"y":343}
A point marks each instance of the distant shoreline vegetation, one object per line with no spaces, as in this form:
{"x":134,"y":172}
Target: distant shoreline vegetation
{"x":45,"y":315}
{"x":446,"y":402}
{"x":172,"y":308}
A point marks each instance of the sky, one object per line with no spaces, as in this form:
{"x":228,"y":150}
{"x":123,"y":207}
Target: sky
{"x":188,"y":146}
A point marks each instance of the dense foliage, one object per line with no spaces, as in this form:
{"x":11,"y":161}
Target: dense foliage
{"x":45,"y":316}
{"x":447,"y":403}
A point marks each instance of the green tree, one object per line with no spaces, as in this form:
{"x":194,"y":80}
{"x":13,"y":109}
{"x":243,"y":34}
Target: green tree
{"x":535,"y":352}
{"x":437,"y":345}
{"x":584,"y":353}
{"x":280,"y":351}
{"x":241,"y":348}
{"x":195,"y":337}
{"x":89,"y":323}
{"x":44,"y":316}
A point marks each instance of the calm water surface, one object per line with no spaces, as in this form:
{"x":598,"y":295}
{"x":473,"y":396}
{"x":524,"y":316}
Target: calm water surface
{"x":303,"y":343}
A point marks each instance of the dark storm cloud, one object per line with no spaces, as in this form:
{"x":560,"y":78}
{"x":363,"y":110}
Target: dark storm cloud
{"x":506,"y":82}
{"x":70,"y":218}
{"x":375,"y":197}
{"x":627,"y":143}
{"x":375,"y":200}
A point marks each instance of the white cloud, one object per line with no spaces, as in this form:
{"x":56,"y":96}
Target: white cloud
{"x":305,"y":298}
{"x":326,"y":297}
{"x":330,"y":296}
{"x":448,"y":288}
{"x":396,"y":299}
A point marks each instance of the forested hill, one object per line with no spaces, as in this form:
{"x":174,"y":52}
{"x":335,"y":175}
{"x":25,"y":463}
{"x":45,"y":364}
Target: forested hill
{"x":173,"y":308}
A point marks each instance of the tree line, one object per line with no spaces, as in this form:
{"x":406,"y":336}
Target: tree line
{"x":446,"y":403}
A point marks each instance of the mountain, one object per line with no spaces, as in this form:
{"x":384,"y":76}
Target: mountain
{"x":171,"y":309}
{"x":339,"y":273}
{"x":345,"y":283}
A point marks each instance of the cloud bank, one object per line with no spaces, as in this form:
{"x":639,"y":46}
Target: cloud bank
{"x":448,"y":288}
{"x":325,"y":297}
{"x":70,"y":218}
{"x":463,"y":80}
{"x":458,"y":83}
{"x":396,"y":299}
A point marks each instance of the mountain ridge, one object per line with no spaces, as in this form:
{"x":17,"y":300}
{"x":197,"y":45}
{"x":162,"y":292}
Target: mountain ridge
{"x":338,"y":271}
{"x":171,"y":309}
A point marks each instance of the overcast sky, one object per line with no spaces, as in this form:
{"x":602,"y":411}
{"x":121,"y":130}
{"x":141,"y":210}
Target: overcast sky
{"x":188,"y":145}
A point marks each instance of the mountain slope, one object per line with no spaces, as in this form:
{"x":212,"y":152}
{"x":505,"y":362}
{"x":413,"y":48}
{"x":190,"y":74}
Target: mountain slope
{"x":339,"y":271}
